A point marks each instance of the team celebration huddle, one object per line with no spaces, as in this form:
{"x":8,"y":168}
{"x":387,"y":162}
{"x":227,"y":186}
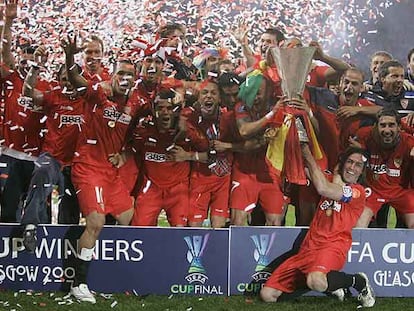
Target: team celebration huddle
{"x":160,"y":127}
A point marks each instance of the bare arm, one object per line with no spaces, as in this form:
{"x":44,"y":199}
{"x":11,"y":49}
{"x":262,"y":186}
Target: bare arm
{"x":323,"y":186}
{"x":7,"y":60}
{"x":240,"y":34}
{"x":70,"y":50}
{"x":244,"y":146}
{"x":248,"y":128}
{"x":248,"y":55}
{"x":178,"y":154}
{"x":29,"y":86}
{"x":337,"y":66}
{"x":345,"y":112}
{"x":29,"y":89}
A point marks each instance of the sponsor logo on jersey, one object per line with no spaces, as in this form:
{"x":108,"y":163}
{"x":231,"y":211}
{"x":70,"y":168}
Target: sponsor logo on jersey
{"x":155,"y":157}
{"x":70,"y":119}
{"x":393,"y":172}
{"x":114,"y":115}
{"x":336,"y":206}
{"x":378,"y":168}
{"x":27,"y":103}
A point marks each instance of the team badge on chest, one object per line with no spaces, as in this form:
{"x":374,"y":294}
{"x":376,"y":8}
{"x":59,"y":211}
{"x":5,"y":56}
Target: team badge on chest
{"x":397,"y":162}
{"x":111,"y":124}
{"x":404,"y":103}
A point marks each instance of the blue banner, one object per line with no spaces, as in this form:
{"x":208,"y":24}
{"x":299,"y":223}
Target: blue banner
{"x":260,"y":250}
{"x":386,"y":256}
{"x":144,"y":260}
{"x":193,"y":261}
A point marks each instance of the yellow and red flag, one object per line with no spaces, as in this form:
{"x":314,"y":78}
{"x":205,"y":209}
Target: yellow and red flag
{"x":284,"y":153}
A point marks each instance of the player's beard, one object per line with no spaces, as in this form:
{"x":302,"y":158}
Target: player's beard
{"x":390,"y":142}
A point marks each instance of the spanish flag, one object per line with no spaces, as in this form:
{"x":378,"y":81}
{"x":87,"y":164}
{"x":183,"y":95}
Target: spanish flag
{"x":284,"y":153}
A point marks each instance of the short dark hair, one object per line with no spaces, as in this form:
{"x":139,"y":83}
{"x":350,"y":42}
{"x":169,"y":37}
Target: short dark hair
{"x":280,"y":36}
{"x":356,"y":70}
{"x":384,"y":69}
{"x":164,"y":93}
{"x":389,"y":112}
{"x":124,"y":61}
{"x":227,"y":79}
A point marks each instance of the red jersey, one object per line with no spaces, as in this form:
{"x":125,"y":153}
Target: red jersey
{"x":107,"y":125}
{"x":253,"y":162}
{"x":21,"y":123}
{"x":324,"y":105}
{"x":146,"y":95}
{"x":224,"y":129}
{"x":387,"y":168}
{"x":65,"y":121}
{"x":349,"y":126}
{"x":316,"y":76}
{"x":97,"y":77}
{"x":332,"y":224}
{"x":152,"y":149}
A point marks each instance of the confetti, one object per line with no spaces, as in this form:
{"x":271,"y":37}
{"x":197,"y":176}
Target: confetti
{"x":212,"y":165}
{"x":131,"y":25}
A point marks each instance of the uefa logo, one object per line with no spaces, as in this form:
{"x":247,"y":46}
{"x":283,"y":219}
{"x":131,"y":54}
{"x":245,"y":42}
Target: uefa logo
{"x":196,"y":246}
{"x":263,"y":243}
{"x":197,"y":279}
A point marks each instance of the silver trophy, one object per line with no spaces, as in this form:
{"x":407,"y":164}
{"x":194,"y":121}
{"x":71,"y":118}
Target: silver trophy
{"x":293,"y":65}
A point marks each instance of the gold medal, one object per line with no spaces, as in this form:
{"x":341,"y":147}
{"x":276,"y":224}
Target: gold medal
{"x":328,"y":212}
{"x":111,"y":124}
